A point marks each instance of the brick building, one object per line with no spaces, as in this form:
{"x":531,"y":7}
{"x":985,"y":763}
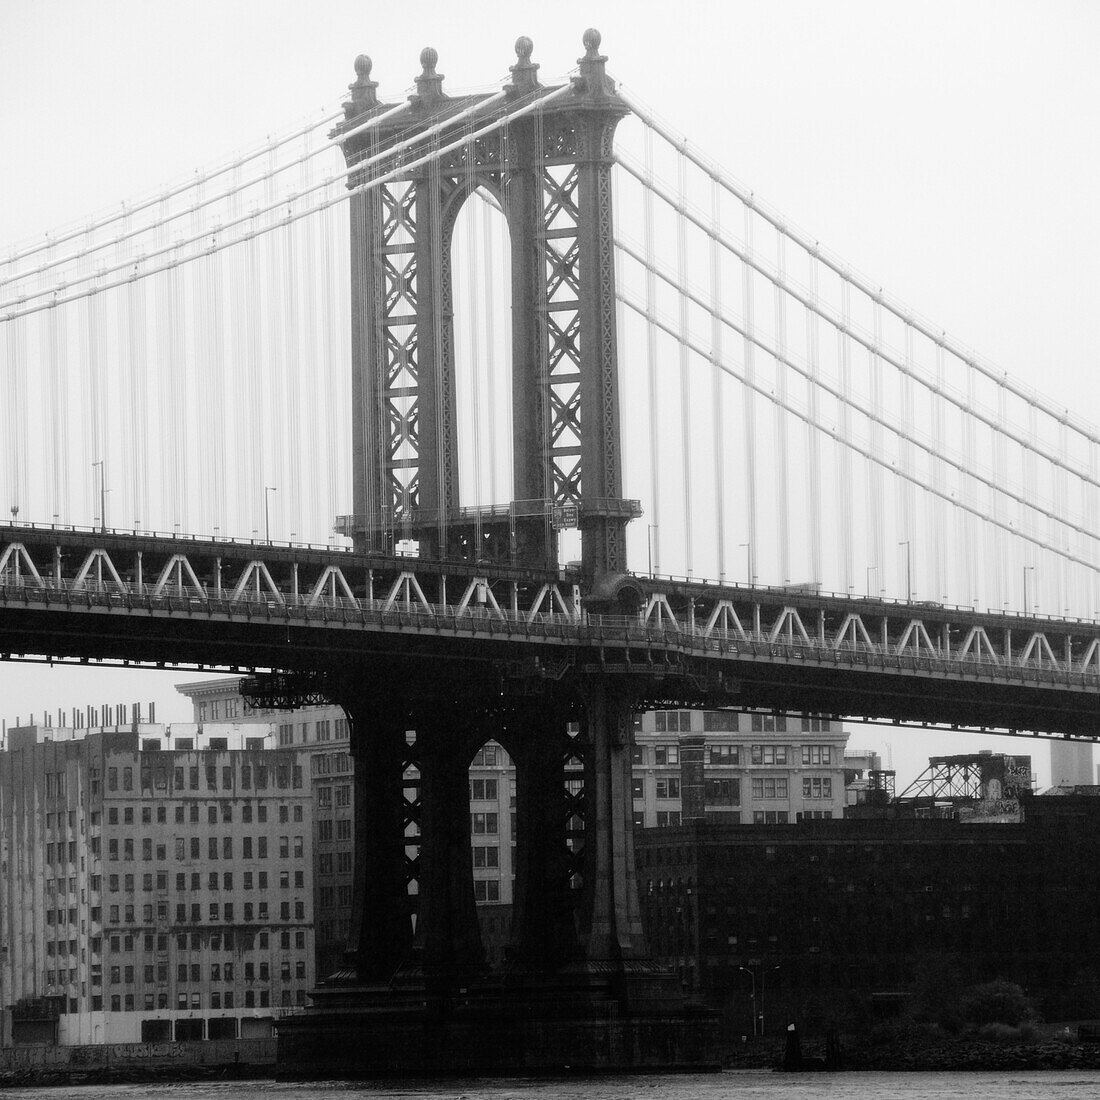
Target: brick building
{"x":826,"y":914}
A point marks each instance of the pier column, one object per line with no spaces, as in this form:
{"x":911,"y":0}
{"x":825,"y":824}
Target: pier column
{"x":544,"y":935}
{"x":448,"y":947}
{"x":612,"y":926}
{"x":381,"y":926}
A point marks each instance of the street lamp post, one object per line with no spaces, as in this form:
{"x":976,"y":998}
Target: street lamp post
{"x":908,"y":571}
{"x":747,"y":546}
{"x":650,"y":528}
{"x":763,"y":971}
{"x":752,"y":978}
{"x":871,"y":569}
{"x":267,"y":511}
{"x":102,"y":493}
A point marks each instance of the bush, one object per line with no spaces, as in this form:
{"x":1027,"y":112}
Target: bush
{"x":1004,"y":1033}
{"x":997,"y":1002}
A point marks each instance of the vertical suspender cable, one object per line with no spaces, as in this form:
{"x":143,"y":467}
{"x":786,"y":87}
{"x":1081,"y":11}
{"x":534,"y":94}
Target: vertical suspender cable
{"x":875,"y":488}
{"x":970,"y":537}
{"x":813,"y":440}
{"x":748,"y":399}
{"x":474,"y":306}
{"x":906,"y":490}
{"x":717,"y":389}
{"x":685,"y":371}
{"x":782,"y":457}
{"x":937,"y":528}
{"x":843,"y":454}
{"x":1002,"y":594}
{"x":488,"y":249}
{"x":653,"y":530}
{"x":435,"y":196}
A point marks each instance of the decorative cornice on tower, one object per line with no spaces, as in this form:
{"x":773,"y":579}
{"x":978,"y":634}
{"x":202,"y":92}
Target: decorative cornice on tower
{"x":363,"y":94}
{"x":593,"y":81}
{"x":524,"y":73}
{"x":429,"y":84}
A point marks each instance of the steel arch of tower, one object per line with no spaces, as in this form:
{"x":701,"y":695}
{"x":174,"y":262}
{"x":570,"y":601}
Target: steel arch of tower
{"x":549,"y":172}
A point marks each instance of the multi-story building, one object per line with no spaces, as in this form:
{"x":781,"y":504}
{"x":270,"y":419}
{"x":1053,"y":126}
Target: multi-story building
{"x":825,"y":918}
{"x":321,"y":734}
{"x":757,"y":768}
{"x":156,"y":880}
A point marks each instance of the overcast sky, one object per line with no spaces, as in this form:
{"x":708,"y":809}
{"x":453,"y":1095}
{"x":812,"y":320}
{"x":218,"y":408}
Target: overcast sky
{"x":948,"y":150}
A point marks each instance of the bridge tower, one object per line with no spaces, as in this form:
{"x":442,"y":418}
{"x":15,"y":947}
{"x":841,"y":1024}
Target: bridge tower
{"x":578,"y":988}
{"x":549,"y":173}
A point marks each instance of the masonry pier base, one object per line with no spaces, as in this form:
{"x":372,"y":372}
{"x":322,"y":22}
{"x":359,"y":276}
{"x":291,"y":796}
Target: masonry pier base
{"x":579,"y":1023}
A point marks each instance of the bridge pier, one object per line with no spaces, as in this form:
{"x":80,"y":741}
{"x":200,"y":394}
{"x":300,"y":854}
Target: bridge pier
{"x":576,"y":989}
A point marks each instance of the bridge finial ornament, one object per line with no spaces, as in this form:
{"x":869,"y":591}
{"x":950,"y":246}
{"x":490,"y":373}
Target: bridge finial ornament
{"x":524,"y":73}
{"x":593,"y":79}
{"x":429,"y":84}
{"x":363,"y":94}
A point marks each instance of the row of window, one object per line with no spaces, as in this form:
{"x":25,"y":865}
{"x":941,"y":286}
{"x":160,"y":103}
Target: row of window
{"x":324,"y":729}
{"x":330,"y":896}
{"x":216,"y":912}
{"x":483,"y":790}
{"x":725,"y":721}
{"x":216,"y":941}
{"x":191,"y":847}
{"x":252,"y":999}
{"x":343,"y":829}
{"x":217,"y":709}
{"x":286,"y":776}
{"x":343,"y":795}
{"x":214,"y":881}
{"x":325,"y":862}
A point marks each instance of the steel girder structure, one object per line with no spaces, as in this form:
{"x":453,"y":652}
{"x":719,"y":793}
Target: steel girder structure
{"x":549,"y":171}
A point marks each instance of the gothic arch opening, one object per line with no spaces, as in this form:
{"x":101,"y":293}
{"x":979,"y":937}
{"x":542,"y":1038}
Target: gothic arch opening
{"x":481,"y":325}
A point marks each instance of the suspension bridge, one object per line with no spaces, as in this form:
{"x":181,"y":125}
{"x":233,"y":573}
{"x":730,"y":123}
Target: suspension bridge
{"x":395,"y":408}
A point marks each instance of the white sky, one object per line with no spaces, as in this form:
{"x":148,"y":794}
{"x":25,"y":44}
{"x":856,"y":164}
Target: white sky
{"x":946,"y":149}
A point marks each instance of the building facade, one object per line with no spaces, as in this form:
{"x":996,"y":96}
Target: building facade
{"x":156,"y":880}
{"x":813,"y":922}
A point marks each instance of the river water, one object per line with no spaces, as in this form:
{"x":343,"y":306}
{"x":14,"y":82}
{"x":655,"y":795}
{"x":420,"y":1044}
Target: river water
{"x":731,"y":1085}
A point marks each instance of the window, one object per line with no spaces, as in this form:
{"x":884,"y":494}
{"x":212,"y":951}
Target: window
{"x":481,"y":824}
{"x":324,"y":829}
{"x":668,"y":788}
{"x":815,"y":724}
{"x":724,"y":755}
{"x":483,"y":790}
{"x":147,"y":848}
{"x":769,"y":787}
{"x":817,"y":755}
{"x":343,"y":829}
{"x":261,"y":847}
{"x":771,"y":754}
{"x":719,"y":721}
{"x":722,"y":792}
{"x":343,"y":795}
{"x":668,"y":817}
{"x":637,"y":788}
{"x":770,"y":817}
{"x":486,"y":856}
{"x":817,"y":787}
{"x":487,"y":890}
{"x":672,"y":721}
{"x":666,"y":754}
